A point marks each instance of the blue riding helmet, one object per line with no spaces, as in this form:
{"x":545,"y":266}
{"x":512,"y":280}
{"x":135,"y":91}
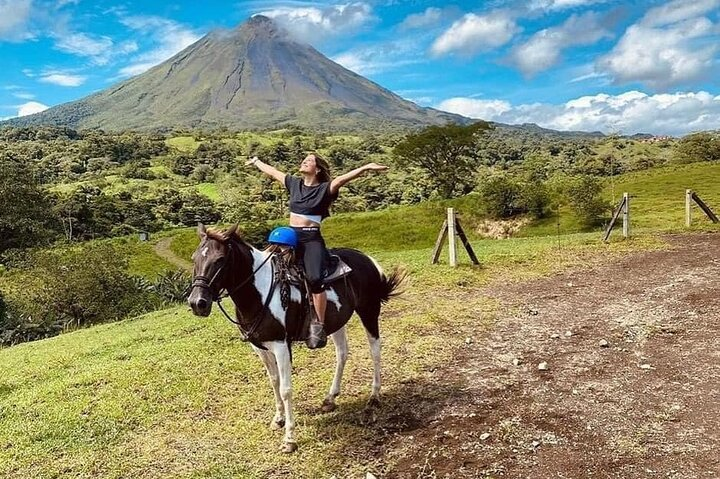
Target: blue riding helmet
{"x":283,"y":235}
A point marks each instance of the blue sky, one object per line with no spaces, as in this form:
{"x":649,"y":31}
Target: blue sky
{"x":618,"y":67}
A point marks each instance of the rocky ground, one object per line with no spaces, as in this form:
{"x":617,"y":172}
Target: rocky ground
{"x":605,"y":372}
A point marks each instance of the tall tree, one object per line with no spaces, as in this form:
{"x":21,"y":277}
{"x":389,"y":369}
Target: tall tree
{"x":25,"y":212}
{"x":446,"y":153}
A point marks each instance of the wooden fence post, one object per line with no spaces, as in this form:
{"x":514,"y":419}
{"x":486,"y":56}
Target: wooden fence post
{"x":706,"y":209}
{"x":451,"y":236}
{"x":616,"y":215}
{"x":688,"y":208}
{"x":626,"y":215}
{"x":439,"y":242}
{"x":451,"y":228}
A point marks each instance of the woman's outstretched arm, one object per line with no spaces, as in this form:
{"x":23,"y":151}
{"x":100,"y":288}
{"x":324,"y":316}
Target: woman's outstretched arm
{"x":267,"y":169}
{"x":351,"y":175}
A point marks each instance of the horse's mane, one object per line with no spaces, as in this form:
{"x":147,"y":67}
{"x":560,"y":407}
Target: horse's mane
{"x":223,"y":236}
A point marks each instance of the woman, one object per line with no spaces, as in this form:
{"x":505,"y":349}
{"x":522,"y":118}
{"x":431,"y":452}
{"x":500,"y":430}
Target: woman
{"x":310,"y":200}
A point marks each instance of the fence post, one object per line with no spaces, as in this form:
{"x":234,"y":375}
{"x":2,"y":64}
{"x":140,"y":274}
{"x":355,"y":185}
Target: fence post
{"x":626,"y":215}
{"x":688,"y":208}
{"x":451,"y":236}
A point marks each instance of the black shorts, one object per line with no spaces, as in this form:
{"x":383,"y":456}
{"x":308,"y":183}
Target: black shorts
{"x":314,"y":255}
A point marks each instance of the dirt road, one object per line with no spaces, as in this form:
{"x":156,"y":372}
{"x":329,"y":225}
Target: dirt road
{"x":631,"y":389}
{"x":162,"y":249}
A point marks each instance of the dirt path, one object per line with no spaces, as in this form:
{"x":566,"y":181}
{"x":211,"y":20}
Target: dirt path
{"x":644,"y":404}
{"x":162,"y":249}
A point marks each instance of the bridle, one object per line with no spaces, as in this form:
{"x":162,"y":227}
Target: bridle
{"x":203,"y":282}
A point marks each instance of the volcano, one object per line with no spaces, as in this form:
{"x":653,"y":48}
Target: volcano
{"x":253,"y":77}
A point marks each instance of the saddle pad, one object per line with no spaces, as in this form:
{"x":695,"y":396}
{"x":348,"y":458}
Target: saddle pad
{"x":341,"y":270}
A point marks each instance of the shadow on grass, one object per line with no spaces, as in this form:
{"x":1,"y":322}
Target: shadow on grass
{"x":359,"y":433}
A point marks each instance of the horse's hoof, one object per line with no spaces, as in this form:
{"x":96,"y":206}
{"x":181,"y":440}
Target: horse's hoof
{"x":289,"y":447}
{"x":277,"y":424}
{"x":328,"y":406}
{"x":373,"y":403}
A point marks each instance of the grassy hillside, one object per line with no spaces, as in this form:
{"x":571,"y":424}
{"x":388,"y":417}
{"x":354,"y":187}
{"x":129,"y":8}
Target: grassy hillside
{"x":171,"y":395}
{"x":657,"y":199}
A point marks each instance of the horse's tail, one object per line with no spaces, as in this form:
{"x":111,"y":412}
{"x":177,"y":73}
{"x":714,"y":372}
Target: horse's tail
{"x":391,"y":283}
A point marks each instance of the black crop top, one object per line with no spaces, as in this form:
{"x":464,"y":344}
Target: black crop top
{"x":309,"y":200}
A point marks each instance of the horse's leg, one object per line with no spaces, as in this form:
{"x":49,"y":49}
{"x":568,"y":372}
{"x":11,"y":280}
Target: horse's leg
{"x":375,"y":346}
{"x":370,"y":316}
{"x":272,"y":371}
{"x":341,"y":353}
{"x":281,"y":351}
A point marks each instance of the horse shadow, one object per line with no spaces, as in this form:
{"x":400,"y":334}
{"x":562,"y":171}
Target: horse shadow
{"x":405,"y":407}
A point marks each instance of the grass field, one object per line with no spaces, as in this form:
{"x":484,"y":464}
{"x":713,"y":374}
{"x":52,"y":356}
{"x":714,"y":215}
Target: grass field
{"x":171,"y":395}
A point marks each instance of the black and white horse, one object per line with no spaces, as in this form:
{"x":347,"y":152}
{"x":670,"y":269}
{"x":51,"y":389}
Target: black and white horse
{"x":224,"y":261}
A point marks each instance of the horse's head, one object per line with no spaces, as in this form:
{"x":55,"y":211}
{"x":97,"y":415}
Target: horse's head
{"x":210,"y":268}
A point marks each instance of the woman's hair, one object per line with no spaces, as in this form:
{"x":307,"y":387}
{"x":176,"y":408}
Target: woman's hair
{"x":322,"y":165}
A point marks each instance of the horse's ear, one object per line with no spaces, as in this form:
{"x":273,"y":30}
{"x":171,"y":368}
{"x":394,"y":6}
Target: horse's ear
{"x":232,"y":230}
{"x":202,"y":231}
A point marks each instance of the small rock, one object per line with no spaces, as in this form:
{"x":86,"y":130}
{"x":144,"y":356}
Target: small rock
{"x":568,"y":334}
{"x":555,"y":336}
{"x":536,"y":444}
{"x":570,"y":284}
{"x":543,"y":366}
{"x":645,"y":366}
{"x":533,"y":312}
{"x":484,"y":436}
{"x":604,"y":343}
{"x":517,"y":362}
{"x":370,"y":475}
{"x":468,"y":340}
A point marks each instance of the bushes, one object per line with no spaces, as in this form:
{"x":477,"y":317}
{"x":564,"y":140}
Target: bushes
{"x":703,"y":146}
{"x":83,"y":286}
{"x":583,"y":193}
{"x":504,"y":196}
{"x":77,"y":287}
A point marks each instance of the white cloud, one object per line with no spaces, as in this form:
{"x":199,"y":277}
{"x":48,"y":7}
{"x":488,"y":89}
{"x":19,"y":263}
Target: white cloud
{"x":14,"y":17}
{"x":83,"y":45}
{"x":561,"y":4}
{"x":23,"y":95}
{"x":63,"y":79}
{"x":475,"y":108}
{"x":677,"y":11}
{"x":629,"y":112}
{"x":475,"y":33}
{"x":169,"y":37}
{"x":374,"y":59}
{"x":316,"y":24}
{"x":431,"y":16}
{"x":671,"y":45}
{"x":544,"y":48}
{"x":30,"y":108}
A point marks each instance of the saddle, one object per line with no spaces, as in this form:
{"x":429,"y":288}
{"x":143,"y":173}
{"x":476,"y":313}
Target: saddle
{"x":288,"y":273}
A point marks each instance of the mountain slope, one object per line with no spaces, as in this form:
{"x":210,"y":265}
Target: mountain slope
{"x":255,"y":76}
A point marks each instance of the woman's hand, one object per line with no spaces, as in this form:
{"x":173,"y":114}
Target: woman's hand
{"x":375,"y":167}
{"x":251,"y":161}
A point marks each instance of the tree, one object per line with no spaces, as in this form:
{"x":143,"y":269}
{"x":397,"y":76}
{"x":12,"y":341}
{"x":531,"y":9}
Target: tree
{"x":445,"y":152}
{"x":584,"y":197}
{"x":25,"y":215}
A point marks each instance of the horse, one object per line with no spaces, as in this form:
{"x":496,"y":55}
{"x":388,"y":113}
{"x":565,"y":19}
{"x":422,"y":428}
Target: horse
{"x":225,"y":261}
